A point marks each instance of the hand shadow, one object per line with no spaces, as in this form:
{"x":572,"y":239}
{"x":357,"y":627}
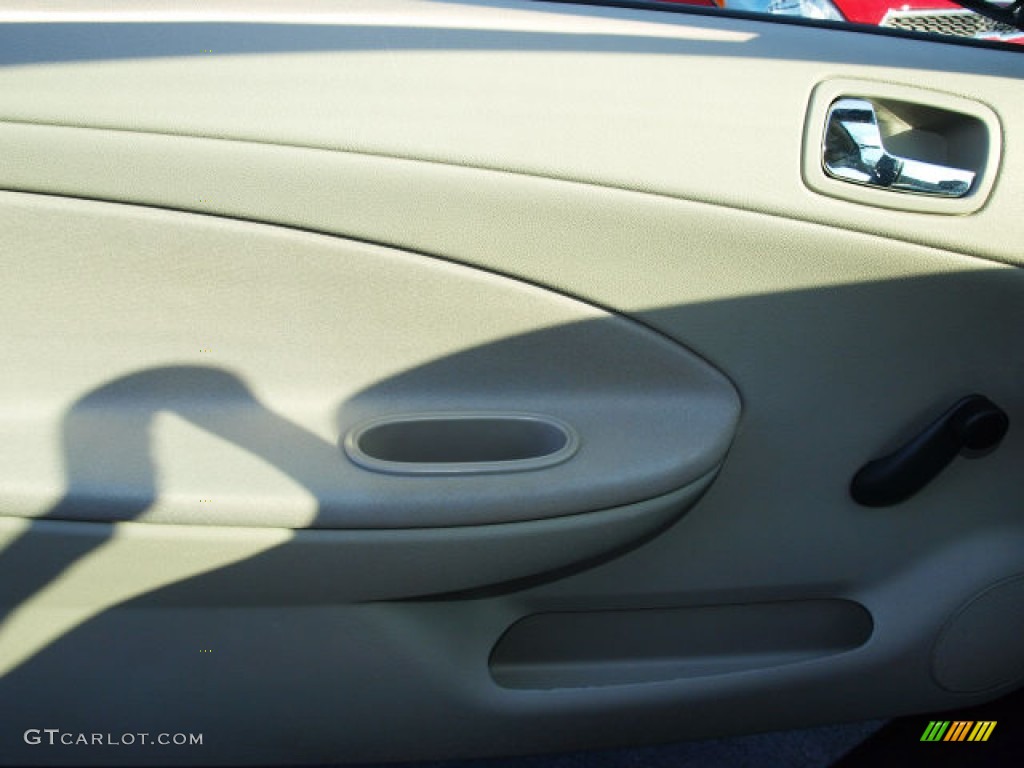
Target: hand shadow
{"x":112,"y":472}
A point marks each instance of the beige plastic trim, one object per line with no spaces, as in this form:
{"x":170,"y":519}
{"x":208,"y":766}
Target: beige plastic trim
{"x":987,"y":165}
{"x":467,"y":84}
{"x":202,"y":371}
{"x":811,"y":304}
{"x":68,"y":572}
{"x":451,"y":443}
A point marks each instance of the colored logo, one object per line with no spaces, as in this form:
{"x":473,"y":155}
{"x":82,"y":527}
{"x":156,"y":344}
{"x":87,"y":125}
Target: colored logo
{"x":959,"y":730}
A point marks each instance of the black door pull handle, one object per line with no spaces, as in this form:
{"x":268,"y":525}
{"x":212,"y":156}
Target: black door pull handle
{"x":972,"y":426}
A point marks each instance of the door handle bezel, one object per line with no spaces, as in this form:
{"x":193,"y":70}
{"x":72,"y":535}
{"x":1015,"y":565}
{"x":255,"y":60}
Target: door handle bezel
{"x":984,"y":133}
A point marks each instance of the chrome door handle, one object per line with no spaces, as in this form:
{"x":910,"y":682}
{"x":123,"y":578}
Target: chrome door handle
{"x":853,"y":151}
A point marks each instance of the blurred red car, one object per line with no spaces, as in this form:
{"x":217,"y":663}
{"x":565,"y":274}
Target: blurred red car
{"x":941,"y":17}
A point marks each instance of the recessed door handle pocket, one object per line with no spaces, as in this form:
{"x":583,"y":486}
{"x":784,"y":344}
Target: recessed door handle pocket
{"x":900,"y":147}
{"x":461,"y":443}
{"x":854,"y":151}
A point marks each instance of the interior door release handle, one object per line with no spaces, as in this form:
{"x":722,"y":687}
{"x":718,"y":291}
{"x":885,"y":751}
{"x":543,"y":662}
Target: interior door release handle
{"x":973,"y":427}
{"x":853,"y":151}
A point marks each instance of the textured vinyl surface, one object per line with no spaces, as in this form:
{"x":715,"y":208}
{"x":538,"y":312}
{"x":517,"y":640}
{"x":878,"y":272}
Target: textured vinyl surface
{"x":556,"y":208}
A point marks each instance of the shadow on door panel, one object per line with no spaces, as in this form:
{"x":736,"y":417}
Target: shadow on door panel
{"x":273,"y":661}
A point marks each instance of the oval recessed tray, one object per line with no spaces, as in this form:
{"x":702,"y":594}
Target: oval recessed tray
{"x":461,"y":443}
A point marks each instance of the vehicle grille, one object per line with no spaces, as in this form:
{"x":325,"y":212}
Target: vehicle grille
{"x":959,"y":23}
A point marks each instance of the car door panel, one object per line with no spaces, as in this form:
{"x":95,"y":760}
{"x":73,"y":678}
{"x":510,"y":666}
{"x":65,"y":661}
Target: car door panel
{"x":627,"y":109}
{"x":601,"y":217}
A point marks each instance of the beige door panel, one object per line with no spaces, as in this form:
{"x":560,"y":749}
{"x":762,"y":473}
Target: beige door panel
{"x":597,"y":222}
